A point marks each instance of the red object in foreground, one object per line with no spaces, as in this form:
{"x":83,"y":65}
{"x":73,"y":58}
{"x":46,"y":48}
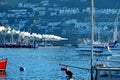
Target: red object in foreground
{"x":3,"y":64}
{"x":64,"y":69}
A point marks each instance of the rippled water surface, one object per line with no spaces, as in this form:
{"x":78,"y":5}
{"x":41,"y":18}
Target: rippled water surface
{"x":43,"y":63}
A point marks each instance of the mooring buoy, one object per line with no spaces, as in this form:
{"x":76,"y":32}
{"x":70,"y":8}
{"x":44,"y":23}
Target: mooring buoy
{"x":21,"y":69}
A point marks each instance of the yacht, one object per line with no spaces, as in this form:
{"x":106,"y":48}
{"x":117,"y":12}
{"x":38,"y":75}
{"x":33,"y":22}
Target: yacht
{"x":86,"y":50}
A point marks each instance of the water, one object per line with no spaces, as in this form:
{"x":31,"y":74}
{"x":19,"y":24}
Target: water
{"x":43,"y":63}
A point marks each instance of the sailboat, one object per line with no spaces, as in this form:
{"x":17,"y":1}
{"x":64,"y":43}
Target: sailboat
{"x":3,"y":64}
{"x":97,"y":49}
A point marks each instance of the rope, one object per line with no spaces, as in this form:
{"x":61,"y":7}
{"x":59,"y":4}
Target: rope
{"x":74,"y":67}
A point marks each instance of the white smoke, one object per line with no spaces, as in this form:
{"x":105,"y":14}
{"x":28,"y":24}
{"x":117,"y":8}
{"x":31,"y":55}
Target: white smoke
{"x":2,"y":28}
{"x":27,"y":34}
{"x":36,"y":35}
{"x":52,"y":37}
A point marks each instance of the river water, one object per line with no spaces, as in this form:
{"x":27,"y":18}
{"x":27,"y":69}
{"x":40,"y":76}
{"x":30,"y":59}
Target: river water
{"x":43,"y":63}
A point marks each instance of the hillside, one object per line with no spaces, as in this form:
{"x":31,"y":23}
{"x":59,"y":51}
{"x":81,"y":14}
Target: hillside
{"x":64,"y":18}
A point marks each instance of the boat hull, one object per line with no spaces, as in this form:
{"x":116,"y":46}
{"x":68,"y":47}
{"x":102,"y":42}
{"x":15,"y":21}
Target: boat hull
{"x":3,"y":64}
{"x":96,"y":52}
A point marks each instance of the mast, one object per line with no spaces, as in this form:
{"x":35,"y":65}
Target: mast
{"x":92,"y":36}
{"x":115,"y":30}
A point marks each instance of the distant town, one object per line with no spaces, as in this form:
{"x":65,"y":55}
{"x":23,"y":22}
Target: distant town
{"x":48,"y":17}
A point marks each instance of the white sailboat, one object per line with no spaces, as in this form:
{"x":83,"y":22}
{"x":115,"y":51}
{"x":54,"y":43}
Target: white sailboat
{"x":99,"y":48}
{"x":86,"y":50}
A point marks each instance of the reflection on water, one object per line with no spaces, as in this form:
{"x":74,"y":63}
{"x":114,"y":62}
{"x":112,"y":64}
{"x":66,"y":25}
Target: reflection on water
{"x":43,"y":63}
{"x":2,"y":75}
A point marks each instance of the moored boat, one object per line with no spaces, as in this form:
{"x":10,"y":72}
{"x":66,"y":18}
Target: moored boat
{"x":107,"y":73}
{"x":86,"y":50}
{"x":3,"y":64}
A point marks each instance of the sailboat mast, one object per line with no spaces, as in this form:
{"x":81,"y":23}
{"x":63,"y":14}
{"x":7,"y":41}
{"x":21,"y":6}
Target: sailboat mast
{"x":92,"y":36}
{"x":115,"y":30}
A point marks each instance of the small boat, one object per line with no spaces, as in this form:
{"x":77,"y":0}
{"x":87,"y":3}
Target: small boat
{"x":3,"y":64}
{"x":107,"y":73}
